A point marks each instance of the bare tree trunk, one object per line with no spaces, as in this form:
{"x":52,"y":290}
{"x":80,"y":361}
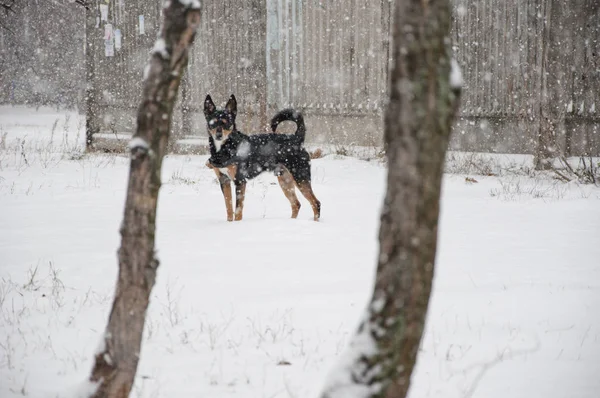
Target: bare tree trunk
{"x":422,"y":107}
{"x":92,"y":124}
{"x":116,"y":363}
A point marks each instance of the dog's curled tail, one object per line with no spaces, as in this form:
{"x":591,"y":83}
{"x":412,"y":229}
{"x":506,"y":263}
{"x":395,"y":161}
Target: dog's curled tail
{"x":293,"y":115}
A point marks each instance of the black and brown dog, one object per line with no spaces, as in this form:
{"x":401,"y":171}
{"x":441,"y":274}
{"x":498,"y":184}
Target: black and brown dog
{"x":238,"y":157}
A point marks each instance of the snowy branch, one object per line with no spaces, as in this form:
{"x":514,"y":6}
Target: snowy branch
{"x":83,"y":3}
{"x":7,"y":5}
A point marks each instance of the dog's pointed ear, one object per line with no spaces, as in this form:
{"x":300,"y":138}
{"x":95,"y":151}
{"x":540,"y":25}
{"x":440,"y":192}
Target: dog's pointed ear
{"x":209,"y":106}
{"x":232,"y":105}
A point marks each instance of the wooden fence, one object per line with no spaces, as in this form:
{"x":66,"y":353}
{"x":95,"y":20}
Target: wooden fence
{"x":330,"y":58}
{"x":503,"y":49}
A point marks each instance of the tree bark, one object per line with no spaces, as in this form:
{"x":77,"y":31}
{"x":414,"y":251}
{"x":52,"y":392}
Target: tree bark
{"x":116,"y":362}
{"x":418,"y":120}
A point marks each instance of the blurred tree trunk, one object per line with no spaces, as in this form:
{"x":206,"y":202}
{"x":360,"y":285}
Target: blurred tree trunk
{"x":116,"y":362}
{"x":554,"y":83}
{"x":92,"y":123}
{"x":186,"y":106}
{"x":258,"y":63}
{"x":422,"y":107}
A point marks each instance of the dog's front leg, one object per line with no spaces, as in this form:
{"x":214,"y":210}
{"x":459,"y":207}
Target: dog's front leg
{"x":225,"y":184}
{"x":240,"y":193}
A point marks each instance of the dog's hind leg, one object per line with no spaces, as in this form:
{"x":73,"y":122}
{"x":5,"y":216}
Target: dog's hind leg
{"x":308,"y":193}
{"x":286,"y":182}
{"x":240,"y":194}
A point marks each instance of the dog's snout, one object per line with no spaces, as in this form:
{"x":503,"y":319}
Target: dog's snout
{"x":219,"y":133}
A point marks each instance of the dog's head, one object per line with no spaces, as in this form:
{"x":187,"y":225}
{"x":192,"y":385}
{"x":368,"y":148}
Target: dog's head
{"x":221,"y":123}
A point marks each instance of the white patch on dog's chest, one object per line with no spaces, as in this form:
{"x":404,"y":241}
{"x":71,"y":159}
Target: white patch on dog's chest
{"x":219,"y":143}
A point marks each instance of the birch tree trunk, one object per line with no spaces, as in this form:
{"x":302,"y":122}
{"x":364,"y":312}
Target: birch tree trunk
{"x":424,"y":91}
{"x":116,"y":362}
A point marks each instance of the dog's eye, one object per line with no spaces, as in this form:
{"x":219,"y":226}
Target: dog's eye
{"x":212,"y":123}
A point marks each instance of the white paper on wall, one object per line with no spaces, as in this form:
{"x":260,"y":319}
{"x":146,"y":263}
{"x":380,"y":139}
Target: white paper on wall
{"x":118,"y":39}
{"x":141,"y":25}
{"x":109,"y":48}
{"x":109,"y":40}
{"x":108,"y":31}
{"x":104,"y":12}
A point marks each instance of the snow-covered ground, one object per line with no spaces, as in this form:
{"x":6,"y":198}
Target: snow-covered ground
{"x":263,"y":307}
